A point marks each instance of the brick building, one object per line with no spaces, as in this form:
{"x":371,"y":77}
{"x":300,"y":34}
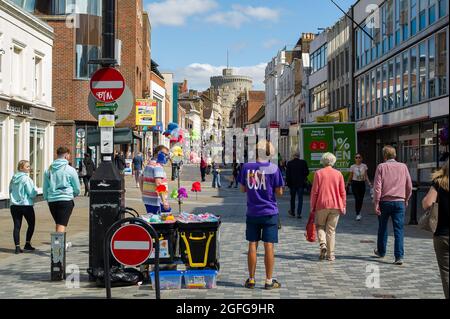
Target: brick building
{"x":247,"y":105}
{"x":73,"y":47}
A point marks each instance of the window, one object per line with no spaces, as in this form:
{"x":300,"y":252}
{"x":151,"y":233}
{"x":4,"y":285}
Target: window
{"x":441,"y":69}
{"x":422,"y":14}
{"x":442,"y":8}
{"x":37,"y":78}
{"x":391,"y":85}
{"x":363,"y":97}
{"x":377,"y":103}
{"x":17,"y":71}
{"x":432,"y":12}
{"x":413,"y":72}
{"x":319,"y":58}
{"x":1,"y":146}
{"x":422,"y":72}
{"x":431,"y":68}
{"x":88,"y":41}
{"x":28,"y":5}
{"x":405,"y":81}
{"x":385,"y":90}
{"x":347,"y":61}
{"x":319,"y":97}
{"x":398,"y":73}
{"x":17,"y":144}
{"x":373,"y":83}
{"x":37,"y":147}
{"x":358,"y":98}
{"x":413,"y":17}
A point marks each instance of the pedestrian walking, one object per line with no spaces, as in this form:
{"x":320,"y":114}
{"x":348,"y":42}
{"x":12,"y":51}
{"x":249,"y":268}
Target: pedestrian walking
{"x":216,"y":175}
{"x":296,"y":176}
{"x":358,"y":178}
{"x":328,"y":202}
{"x":438,"y":193}
{"x":153,"y":177}
{"x":235,"y":175}
{"x":87,"y":169}
{"x":262,"y":182}
{"x":392,"y":190}
{"x":138,"y":164}
{"x":22,"y":192}
{"x":203,"y":167}
{"x":61,"y":186}
{"x":119,"y":161}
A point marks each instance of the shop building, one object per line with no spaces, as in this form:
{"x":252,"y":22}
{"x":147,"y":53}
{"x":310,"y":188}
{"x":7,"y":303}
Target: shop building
{"x":27,"y":114}
{"x":401,"y":82}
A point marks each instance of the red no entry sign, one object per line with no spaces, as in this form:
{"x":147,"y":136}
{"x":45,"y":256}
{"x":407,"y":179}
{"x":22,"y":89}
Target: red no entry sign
{"x":131,"y":245}
{"x":107,"y":85}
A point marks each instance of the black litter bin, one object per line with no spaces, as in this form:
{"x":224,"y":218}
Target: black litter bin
{"x":199,"y":244}
{"x":168,"y":238}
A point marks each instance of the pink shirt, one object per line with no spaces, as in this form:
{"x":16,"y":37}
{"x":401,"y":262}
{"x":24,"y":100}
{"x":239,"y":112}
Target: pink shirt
{"x":328,"y":190}
{"x":392,"y":183}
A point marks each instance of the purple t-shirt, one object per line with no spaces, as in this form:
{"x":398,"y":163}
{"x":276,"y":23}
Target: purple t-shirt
{"x":261,"y":180}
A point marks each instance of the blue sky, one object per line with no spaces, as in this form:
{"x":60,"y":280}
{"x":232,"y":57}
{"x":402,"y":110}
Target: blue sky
{"x":191,"y":37}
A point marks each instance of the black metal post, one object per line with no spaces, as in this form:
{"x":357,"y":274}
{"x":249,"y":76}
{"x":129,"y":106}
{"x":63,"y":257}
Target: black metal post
{"x":413,"y":213}
{"x":178,"y":178}
{"x":109,"y":31}
{"x":107,"y":243}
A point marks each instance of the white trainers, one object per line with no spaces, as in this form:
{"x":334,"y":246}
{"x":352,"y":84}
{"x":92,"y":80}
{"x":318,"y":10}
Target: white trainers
{"x":358,"y":217}
{"x":68,"y":245}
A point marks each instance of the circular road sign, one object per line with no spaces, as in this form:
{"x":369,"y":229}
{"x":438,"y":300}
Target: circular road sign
{"x":131,"y":245}
{"x":107,"y":85}
{"x":125,"y":105}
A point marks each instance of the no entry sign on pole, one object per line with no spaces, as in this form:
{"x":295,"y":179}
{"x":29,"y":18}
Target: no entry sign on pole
{"x":131,"y":245}
{"x":107,"y":85}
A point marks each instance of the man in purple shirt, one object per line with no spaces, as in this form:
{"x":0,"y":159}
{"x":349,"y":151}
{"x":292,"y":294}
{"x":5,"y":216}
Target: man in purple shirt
{"x":392,"y":190}
{"x":262,"y":181}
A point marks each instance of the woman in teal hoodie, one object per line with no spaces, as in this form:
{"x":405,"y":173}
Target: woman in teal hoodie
{"x":21,"y":193}
{"x":61,"y":185}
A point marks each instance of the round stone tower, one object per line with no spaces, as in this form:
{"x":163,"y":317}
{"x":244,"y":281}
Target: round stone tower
{"x":229,"y":86}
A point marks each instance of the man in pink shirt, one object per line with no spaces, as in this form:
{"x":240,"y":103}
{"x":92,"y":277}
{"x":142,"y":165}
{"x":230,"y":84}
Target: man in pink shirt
{"x":392,"y":190}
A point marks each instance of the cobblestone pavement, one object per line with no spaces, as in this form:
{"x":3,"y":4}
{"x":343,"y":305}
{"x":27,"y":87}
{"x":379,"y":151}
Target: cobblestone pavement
{"x":297,"y":266}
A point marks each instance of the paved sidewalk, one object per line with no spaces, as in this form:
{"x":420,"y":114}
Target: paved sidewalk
{"x":297,"y":266}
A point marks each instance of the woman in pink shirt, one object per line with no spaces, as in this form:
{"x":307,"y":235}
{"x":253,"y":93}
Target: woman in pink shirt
{"x":328,"y":202}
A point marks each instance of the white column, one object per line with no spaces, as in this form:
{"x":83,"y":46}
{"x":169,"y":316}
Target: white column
{"x":25,"y":137}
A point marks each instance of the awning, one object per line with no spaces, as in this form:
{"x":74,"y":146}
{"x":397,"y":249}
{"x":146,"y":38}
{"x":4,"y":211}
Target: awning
{"x":121,"y":136}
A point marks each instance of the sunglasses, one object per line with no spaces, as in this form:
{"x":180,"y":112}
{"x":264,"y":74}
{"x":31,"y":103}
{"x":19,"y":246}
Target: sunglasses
{"x":358,"y":157}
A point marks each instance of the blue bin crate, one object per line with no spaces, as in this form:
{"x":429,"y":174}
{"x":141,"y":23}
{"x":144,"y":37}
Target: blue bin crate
{"x":200,"y":279}
{"x":170,"y":279}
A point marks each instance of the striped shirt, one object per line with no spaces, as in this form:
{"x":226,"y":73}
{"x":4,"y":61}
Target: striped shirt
{"x":153,"y":171}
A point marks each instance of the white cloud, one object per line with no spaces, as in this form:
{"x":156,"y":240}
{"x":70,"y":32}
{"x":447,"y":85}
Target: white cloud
{"x":176,"y":12}
{"x":243,"y":14}
{"x":270,"y":43}
{"x":198,"y":74}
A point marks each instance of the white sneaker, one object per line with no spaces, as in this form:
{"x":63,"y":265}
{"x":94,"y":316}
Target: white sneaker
{"x":358,"y":217}
{"x":68,"y":245}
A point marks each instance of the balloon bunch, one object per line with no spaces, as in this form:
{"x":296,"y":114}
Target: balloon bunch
{"x":174,"y":133}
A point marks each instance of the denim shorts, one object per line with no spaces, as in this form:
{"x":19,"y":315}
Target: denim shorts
{"x":263,"y":228}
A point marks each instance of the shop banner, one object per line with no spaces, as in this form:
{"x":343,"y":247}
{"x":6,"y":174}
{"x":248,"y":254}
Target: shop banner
{"x":146,"y":112}
{"x":316,"y":142}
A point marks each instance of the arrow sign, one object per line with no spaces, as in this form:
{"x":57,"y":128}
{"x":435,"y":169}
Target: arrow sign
{"x":131,"y":245}
{"x":107,"y":85}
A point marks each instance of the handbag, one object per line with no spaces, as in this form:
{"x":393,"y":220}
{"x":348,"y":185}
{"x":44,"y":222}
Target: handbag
{"x":429,"y":220}
{"x":311,"y":234}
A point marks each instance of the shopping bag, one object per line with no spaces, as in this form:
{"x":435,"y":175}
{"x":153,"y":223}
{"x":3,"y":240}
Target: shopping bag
{"x":310,"y":233}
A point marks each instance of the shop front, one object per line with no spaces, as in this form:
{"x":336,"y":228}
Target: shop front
{"x":26,"y":133}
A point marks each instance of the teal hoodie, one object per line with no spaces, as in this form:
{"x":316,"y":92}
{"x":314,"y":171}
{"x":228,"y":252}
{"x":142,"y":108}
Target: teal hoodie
{"x":22,"y":190}
{"x":61,"y":182}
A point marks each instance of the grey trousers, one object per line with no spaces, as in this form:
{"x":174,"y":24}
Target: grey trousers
{"x":442,"y":255}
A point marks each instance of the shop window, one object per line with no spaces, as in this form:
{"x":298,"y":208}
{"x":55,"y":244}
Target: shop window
{"x":37,"y":149}
{"x":413,"y":73}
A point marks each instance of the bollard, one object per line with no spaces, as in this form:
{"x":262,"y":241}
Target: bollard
{"x":58,"y":256}
{"x":413,"y":212}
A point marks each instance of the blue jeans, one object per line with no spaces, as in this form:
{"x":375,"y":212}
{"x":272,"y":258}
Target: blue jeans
{"x":395,"y":210}
{"x":216,"y":180}
{"x":297,"y":192}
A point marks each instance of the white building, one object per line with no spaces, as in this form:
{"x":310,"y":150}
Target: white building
{"x":318,"y":85}
{"x":287,"y":106}
{"x":26,"y":113}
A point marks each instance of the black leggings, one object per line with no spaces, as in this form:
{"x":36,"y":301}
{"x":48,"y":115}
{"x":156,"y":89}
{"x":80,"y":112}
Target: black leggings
{"x":17,"y":212}
{"x":359,"y":190}
{"x":86,"y":180}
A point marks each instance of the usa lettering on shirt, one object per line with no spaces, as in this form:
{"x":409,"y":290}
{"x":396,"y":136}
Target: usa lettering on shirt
{"x":256,"y":180}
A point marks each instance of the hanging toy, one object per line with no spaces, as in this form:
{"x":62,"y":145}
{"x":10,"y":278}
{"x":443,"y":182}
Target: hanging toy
{"x":182,"y":193}
{"x":174,"y":194}
{"x":196,"y":188}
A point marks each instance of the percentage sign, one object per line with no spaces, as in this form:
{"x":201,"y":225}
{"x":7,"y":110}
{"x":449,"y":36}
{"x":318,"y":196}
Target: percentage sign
{"x":343,"y":143}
